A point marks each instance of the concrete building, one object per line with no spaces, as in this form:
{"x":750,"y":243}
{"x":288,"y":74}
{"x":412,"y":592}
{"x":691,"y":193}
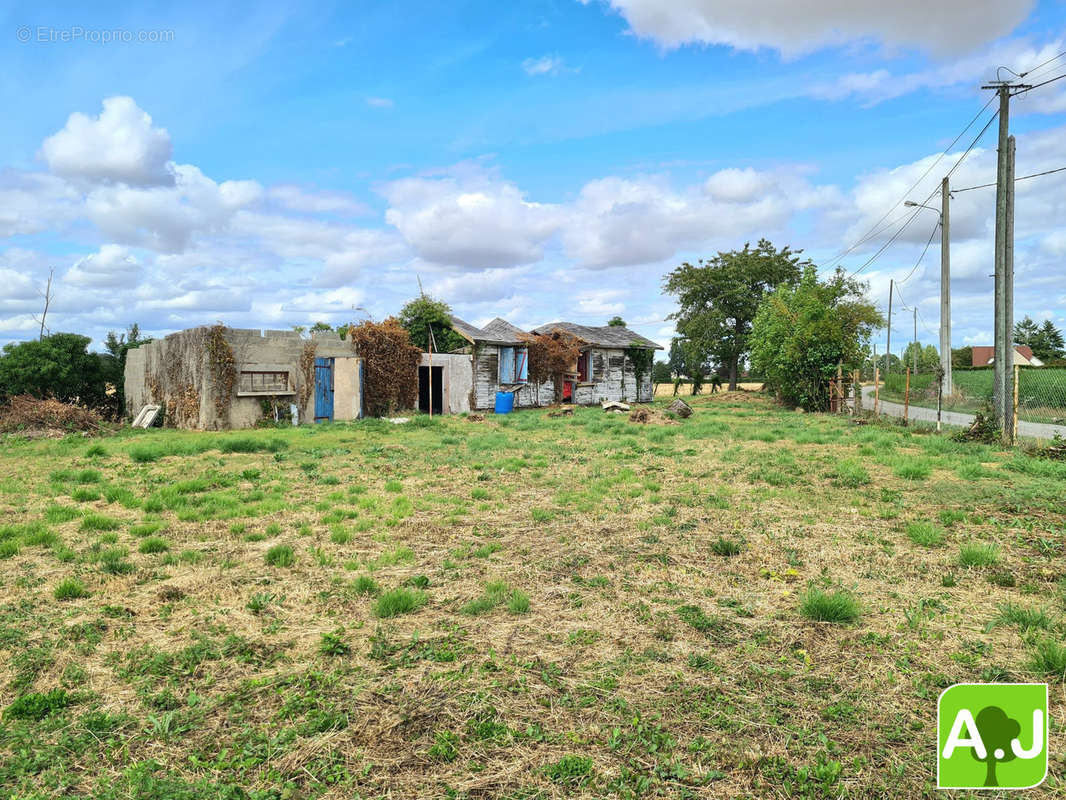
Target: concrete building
{"x":213,"y":378}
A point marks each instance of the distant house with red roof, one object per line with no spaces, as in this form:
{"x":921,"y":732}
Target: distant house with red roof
{"x":1023,"y":356}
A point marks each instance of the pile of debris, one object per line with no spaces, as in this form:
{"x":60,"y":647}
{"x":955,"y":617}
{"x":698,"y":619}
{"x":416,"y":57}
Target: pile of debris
{"x":32,"y":416}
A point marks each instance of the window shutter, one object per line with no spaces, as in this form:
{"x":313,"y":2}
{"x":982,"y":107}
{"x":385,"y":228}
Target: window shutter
{"x":523,"y":365}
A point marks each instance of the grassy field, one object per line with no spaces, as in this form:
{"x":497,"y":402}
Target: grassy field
{"x":751,"y":603}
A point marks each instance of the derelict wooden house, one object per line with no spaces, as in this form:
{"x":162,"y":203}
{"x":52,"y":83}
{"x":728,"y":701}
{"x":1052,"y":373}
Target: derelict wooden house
{"x":500,"y":363}
{"x":605,"y":369}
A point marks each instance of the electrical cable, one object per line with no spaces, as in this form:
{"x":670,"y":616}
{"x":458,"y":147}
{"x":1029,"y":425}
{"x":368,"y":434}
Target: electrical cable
{"x":1020,"y":178}
{"x":947,"y":150}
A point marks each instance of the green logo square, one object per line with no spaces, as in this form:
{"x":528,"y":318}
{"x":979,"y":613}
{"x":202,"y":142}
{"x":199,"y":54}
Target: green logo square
{"x":992,"y":736}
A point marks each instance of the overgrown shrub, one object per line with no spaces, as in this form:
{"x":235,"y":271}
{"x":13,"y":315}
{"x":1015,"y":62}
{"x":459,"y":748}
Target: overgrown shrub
{"x":390,"y":365}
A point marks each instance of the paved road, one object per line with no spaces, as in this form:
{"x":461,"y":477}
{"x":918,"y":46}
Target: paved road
{"x":1032,"y":430}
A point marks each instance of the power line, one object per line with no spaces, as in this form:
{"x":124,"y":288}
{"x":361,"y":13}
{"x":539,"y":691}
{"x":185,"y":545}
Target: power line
{"x":932,"y":166}
{"x":1045,"y":83}
{"x":917,"y":211}
{"x":919,"y":261}
{"x":1021,"y":178}
{"x":1043,"y":64}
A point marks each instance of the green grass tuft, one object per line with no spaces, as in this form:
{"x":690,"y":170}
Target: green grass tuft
{"x":978,"y":554}
{"x":99,"y":522}
{"x":70,"y":589}
{"x":280,"y":555}
{"x":399,"y":601}
{"x":153,"y":544}
{"x":925,"y":534}
{"x":839,"y":607}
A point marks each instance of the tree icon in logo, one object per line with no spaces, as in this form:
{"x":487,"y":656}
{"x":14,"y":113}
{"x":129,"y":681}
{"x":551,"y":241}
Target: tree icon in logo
{"x":997,"y":730}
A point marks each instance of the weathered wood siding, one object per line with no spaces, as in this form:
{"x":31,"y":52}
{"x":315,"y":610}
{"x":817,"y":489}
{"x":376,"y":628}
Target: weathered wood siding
{"x":613,"y":378}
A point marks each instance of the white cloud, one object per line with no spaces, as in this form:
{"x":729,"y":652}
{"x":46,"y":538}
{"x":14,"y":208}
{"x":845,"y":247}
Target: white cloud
{"x":797,"y":27}
{"x":626,"y":221}
{"x":111,"y":268}
{"x":119,"y":145}
{"x":380,"y":102}
{"x":545,"y":65}
{"x":474,"y":221}
{"x":164,"y":218}
{"x":601,"y":302}
{"x":309,"y":201}
{"x":1018,"y":55}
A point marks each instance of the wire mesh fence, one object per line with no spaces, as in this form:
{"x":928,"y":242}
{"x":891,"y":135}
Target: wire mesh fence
{"x":1038,"y":397}
{"x":1042,"y":395}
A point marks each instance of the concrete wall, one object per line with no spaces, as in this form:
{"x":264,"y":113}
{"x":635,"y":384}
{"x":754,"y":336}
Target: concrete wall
{"x":457,"y":380}
{"x":175,"y":372}
{"x":347,"y":389}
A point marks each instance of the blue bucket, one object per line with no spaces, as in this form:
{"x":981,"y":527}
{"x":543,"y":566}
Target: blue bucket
{"x":504,"y":402}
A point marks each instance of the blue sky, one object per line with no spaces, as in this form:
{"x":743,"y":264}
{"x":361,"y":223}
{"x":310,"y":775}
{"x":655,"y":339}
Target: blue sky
{"x":269,"y":167}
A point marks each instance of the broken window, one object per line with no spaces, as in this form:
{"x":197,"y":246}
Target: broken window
{"x":514,"y":365}
{"x":258,"y":382}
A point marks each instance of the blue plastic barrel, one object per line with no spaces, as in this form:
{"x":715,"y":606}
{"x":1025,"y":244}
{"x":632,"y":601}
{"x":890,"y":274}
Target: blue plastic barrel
{"x":504,"y":402}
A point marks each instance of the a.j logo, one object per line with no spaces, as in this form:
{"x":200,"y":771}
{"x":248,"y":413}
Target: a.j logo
{"x":992,"y":736}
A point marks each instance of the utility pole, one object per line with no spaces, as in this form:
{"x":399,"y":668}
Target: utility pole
{"x":1004,"y":351}
{"x":888,"y":343}
{"x":945,"y":285}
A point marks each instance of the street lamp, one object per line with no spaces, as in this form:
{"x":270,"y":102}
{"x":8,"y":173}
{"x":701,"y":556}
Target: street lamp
{"x":945,"y":280}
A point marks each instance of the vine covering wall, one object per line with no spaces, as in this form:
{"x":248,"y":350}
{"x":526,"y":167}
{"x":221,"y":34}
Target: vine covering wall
{"x":390,"y":364}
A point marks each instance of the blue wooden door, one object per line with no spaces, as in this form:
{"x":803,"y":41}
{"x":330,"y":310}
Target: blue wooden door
{"x":323,"y":389}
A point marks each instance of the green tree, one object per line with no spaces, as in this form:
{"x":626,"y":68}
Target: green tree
{"x":1050,"y":343}
{"x":616,"y":322}
{"x":661,"y":372}
{"x":119,"y":344}
{"x":59,"y":365}
{"x":961,"y":357}
{"x":720,"y":296}
{"x":926,"y":357}
{"x":1026,"y":332}
{"x":996,"y":730}
{"x":676,"y":358}
{"x":424,"y":313}
{"x":321,"y":326}
{"x":801,"y":333}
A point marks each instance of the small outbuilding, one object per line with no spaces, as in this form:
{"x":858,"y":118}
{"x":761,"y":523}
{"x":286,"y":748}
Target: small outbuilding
{"x":215,"y":378}
{"x":614,"y":364}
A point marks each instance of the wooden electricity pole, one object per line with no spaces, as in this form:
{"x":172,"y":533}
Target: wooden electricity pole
{"x":1003,"y":360}
{"x":945,"y":285}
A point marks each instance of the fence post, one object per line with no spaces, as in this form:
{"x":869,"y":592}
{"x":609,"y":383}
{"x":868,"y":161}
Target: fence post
{"x":877,"y":389}
{"x":907,"y":397}
{"x":857,"y":384}
{"x":939,"y":394}
{"x":1014,"y":427}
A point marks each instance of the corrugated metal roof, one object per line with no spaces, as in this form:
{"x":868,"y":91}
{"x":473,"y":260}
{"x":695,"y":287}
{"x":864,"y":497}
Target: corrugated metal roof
{"x":606,"y":336}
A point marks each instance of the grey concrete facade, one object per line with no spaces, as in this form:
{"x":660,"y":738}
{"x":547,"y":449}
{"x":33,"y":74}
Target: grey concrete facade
{"x":457,"y":379}
{"x":269,"y":367}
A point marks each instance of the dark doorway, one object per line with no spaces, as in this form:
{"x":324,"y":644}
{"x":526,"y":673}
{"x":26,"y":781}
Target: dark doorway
{"x":424,"y":389}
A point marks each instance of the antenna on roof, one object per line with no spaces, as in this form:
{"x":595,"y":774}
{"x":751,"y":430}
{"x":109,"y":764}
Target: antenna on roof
{"x":421,"y":291}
